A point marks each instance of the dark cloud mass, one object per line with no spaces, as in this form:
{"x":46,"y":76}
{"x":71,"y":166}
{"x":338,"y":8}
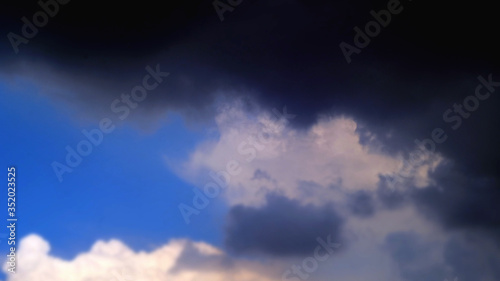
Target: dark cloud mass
{"x":282,"y":227}
{"x":286,"y":51}
{"x":464,"y":201}
{"x":279,"y":53}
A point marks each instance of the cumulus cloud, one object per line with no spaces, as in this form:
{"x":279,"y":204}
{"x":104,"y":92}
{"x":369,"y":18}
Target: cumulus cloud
{"x":180,"y":260}
{"x":316,"y":165}
{"x":291,"y":177}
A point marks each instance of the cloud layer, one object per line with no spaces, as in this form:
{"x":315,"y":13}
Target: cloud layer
{"x":112,"y":260}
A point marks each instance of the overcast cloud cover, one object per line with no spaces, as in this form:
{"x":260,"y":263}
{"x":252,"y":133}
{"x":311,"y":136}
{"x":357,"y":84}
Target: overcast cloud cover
{"x":260,"y":148}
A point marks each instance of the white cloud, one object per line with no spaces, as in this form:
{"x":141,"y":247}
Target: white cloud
{"x":328,"y":154}
{"x":114,"y":261}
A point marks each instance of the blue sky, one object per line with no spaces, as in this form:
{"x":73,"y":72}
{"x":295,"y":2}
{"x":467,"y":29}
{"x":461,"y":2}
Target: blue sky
{"x":123,"y":189}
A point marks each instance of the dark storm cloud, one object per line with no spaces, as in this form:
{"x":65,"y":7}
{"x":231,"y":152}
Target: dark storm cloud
{"x":458,"y":199}
{"x":462,"y":201}
{"x":282,"y":227}
{"x":276,"y":52}
{"x":286,"y":51}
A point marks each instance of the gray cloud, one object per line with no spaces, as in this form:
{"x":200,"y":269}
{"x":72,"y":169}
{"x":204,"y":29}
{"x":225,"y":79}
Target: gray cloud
{"x":361,"y":204}
{"x":466,"y":256}
{"x":411,"y":253}
{"x":282,"y":227}
{"x":464,"y":202}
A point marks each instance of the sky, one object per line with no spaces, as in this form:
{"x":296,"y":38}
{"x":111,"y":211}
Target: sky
{"x":250,"y":140}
